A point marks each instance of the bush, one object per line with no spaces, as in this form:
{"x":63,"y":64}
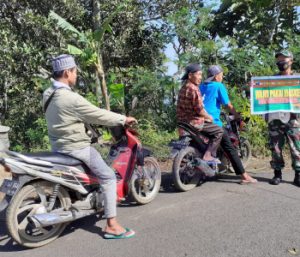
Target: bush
{"x":156,"y":140}
{"x":257,"y":131}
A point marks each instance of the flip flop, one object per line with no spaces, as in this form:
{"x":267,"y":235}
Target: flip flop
{"x":129,"y":233}
{"x":248,"y":181}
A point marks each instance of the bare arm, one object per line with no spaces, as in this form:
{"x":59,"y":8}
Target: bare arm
{"x":231,"y":109}
{"x":205,"y":115}
{"x":199,"y":108}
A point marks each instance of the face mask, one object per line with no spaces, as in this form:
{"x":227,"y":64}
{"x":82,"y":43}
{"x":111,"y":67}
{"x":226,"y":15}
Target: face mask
{"x":282,"y":65}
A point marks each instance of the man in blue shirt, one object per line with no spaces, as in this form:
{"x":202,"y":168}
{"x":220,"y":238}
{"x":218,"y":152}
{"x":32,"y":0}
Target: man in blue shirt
{"x":215,"y":95}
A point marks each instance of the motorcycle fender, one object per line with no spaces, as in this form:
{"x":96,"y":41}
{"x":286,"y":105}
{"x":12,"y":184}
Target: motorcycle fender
{"x":141,"y":154}
{"x":176,"y":150}
{"x":146,"y":152}
{"x":177,"y":145}
{"x":174,"y":153}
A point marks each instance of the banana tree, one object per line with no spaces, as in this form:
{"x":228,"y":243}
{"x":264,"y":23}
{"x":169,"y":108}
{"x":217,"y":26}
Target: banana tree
{"x":89,"y":45}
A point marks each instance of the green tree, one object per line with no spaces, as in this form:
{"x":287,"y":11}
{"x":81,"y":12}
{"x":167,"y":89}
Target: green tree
{"x":258,"y":22}
{"x":27,"y":42}
{"x":92,"y":42}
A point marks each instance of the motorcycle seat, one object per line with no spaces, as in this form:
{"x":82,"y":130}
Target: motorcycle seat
{"x":57,"y":158}
{"x":188,"y":127}
{"x":192,"y":130}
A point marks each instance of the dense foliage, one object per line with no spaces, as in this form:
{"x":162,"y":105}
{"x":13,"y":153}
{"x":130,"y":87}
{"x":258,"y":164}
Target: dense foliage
{"x":123,"y":50}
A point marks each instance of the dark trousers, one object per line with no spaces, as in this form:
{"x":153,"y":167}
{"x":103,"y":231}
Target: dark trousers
{"x":232,"y":154}
{"x":214,"y":132}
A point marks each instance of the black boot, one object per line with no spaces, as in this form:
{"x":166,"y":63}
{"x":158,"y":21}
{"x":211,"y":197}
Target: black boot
{"x":297,"y":179}
{"x":277,"y":178}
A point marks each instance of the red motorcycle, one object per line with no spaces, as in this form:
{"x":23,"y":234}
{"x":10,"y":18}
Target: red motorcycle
{"x":49,"y":190}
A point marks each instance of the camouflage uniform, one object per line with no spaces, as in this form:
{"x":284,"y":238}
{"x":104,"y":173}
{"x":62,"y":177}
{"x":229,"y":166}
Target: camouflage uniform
{"x":284,"y":126}
{"x":280,"y":132}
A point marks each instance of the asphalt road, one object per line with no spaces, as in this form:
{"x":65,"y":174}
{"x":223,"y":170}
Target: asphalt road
{"x":219,"y":218}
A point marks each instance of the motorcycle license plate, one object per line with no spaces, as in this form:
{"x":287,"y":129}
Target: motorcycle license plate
{"x":9,"y":187}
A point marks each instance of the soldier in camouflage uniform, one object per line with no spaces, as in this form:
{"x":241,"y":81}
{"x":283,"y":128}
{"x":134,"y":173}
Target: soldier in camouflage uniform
{"x":284,"y":127}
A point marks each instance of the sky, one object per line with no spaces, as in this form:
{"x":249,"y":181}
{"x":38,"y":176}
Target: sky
{"x":169,"y":50}
{"x":171,"y":55}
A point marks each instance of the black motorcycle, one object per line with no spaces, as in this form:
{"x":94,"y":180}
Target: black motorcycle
{"x":188,"y":168}
{"x":234,"y":128}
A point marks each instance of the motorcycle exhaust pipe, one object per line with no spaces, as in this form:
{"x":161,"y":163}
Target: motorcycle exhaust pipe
{"x":50,"y":219}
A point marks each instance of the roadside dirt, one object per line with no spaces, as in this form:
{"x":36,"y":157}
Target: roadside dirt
{"x":256,"y":165}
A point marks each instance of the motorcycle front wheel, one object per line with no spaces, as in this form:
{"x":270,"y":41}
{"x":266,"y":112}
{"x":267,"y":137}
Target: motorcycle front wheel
{"x":185,"y":176}
{"x":30,"y":200}
{"x":144,"y":189}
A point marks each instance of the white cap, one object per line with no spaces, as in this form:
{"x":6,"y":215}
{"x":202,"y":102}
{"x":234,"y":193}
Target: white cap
{"x":63,"y":62}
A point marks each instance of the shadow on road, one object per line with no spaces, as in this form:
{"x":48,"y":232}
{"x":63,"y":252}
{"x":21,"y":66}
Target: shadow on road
{"x":230,"y":178}
{"x":6,"y":242}
{"x":87,"y":223}
{"x":167,"y":185}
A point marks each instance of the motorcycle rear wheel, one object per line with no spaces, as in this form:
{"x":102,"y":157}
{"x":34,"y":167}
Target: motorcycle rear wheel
{"x":32,"y":199}
{"x":143,"y":191}
{"x":245,"y":151}
{"x":185,"y":176}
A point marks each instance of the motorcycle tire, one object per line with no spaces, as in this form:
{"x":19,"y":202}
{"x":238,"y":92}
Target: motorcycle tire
{"x":144,"y":191}
{"x":32,"y":199}
{"x":246,"y":150}
{"x":185,"y":176}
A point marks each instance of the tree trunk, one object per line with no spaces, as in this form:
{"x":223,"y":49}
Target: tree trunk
{"x":101,"y":76}
{"x":277,"y":11}
{"x":96,"y":14}
{"x":99,"y":66}
{"x":98,"y":91}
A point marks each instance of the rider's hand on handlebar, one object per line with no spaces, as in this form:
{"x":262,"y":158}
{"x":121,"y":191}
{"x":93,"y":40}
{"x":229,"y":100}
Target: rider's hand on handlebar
{"x":130,"y":121}
{"x":242,"y":125}
{"x":237,"y":116}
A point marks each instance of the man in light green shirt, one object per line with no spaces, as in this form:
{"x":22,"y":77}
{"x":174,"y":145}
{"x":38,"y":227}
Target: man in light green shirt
{"x":66,"y":114}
